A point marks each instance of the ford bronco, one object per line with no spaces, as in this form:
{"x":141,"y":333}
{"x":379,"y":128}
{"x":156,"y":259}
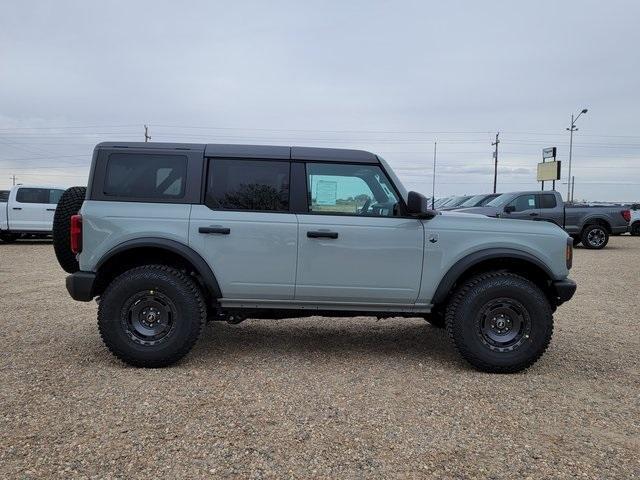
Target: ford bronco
{"x":167,"y":236}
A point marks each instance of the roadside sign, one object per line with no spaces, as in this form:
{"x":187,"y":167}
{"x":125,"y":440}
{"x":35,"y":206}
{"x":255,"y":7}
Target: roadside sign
{"x":549,"y":152}
{"x":549,"y":171}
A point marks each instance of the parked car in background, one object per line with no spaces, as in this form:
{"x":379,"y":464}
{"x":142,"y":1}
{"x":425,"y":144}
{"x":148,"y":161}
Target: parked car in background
{"x":589,"y":225}
{"x":478,"y":200}
{"x":28,"y":211}
{"x":168,"y":235}
{"x":441,"y":201}
{"x":4,"y":196}
{"x":454,"y":202}
{"x":634,"y":222}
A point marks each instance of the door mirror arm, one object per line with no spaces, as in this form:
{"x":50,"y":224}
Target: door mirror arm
{"x":509,"y":209}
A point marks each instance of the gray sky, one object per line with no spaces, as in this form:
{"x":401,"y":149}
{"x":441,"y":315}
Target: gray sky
{"x":389,"y":77}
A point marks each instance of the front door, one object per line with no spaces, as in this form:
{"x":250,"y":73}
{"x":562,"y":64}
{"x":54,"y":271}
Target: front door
{"x":523,"y":207}
{"x":245,"y":230}
{"x":354,"y":247}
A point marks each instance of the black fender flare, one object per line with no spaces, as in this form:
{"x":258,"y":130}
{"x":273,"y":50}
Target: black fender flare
{"x":461,"y":266}
{"x":186,"y":252}
{"x":596,"y":219}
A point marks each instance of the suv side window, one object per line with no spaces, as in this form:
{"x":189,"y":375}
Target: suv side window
{"x":548,"y":201}
{"x":32,"y":195}
{"x":145,"y":176}
{"x":258,"y":185}
{"x":523,"y":202}
{"x":343,"y":189}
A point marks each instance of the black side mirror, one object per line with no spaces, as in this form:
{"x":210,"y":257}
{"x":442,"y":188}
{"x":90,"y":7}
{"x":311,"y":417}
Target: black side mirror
{"x":418,"y":205}
{"x":509,"y":209}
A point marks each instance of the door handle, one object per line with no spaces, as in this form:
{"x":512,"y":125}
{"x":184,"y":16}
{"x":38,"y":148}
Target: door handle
{"x":533,"y":214}
{"x":17,"y":208}
{"x":320,"y":234}
{"x":215,"y":229}
{"x":51,"y":209}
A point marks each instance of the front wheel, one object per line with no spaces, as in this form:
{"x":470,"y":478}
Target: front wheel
{"x":151,"y":316}
{"x":635,"y":229}
{"x":500,"y":322}
{"x":595,"y":237}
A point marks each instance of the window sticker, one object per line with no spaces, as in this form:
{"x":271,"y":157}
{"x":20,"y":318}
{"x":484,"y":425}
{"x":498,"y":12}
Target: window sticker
{"x":326,"y":192}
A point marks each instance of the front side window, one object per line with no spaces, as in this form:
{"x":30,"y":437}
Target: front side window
{"x":523,"y":202}
{"x":350,"y":190}
{"x":146,"y":176}
{"x":32,"y":195}
{"x":259,"y":185}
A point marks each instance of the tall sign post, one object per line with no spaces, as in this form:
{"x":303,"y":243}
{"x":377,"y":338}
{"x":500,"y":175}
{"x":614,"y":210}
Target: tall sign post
{"x":549,"y":170}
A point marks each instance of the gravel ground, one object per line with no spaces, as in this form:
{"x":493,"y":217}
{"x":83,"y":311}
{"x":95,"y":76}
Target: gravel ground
{"x":318,"y":397}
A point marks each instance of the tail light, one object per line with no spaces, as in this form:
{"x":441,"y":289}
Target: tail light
{"x":626,"y":214}
{"x":569,"y":253}
{"x":76,"y":233}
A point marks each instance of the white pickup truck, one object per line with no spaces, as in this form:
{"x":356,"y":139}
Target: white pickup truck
{"x":28,"y":211}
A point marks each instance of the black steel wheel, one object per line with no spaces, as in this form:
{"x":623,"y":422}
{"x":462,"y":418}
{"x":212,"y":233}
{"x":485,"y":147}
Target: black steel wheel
{"x":503,"y":324}
{"x":151,"y":316}
{"x":500,"y":322}
{"x":595,"y":237}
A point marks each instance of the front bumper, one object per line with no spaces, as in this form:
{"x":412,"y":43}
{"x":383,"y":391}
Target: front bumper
{"x":80,"y":286}
{"x":564,"y":290}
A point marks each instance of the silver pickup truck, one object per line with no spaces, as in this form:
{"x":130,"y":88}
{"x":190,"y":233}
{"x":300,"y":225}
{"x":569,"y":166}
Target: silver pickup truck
{"x":169,"y":235}
{"x":590,"y":225}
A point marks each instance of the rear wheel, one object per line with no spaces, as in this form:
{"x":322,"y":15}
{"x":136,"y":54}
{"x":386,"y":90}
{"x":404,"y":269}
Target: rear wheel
{"x":69,"y":205}
{"x":635,"y":229}
{"x":500,"y":322}
{"x":576,"y":240}
{"x":151,"y":316}
{"x":595,"y":237}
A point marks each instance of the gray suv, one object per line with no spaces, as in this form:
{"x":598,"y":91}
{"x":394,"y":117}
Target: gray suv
{"x":167,"y":236}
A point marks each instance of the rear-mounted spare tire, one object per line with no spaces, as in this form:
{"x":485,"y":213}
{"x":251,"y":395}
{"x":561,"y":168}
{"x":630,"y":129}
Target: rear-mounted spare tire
{"x":69,"y":205}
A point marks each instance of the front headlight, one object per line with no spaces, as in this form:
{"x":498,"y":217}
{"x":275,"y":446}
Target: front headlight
{"x":569,"y":253}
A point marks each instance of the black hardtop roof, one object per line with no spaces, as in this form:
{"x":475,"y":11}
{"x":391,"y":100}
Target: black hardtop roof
{"x":255,"y":151}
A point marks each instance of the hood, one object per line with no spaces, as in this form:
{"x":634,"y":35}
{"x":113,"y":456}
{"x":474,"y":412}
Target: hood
{"x":489,"y":211}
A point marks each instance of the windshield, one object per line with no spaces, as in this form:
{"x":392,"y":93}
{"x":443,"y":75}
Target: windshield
{"x":472,"y":201}
{"x":456,"y":201}
{"x":501,"y":200}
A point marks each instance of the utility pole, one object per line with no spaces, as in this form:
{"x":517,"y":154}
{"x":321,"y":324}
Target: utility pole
{"x":13,"y":177}
{"x":495,"y":157}
{"x":433,"y":186}
{"x":573,"y":186}
{"x":572,"y":129}
{"x":147,"y":137}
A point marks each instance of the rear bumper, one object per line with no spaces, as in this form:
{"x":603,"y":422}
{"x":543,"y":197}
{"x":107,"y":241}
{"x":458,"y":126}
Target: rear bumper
{"x":80,"y":286}
{"x":564,"y":290}
{"x":622,"y":229}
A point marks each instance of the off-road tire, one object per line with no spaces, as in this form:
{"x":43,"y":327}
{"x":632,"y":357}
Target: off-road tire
{"x":576,"y":241}
{"x":464,"y":320}
{"x":69,"y":205}
{"x":598,"y":231}
{"x":158,"y":282}
{"x":635,"y":229}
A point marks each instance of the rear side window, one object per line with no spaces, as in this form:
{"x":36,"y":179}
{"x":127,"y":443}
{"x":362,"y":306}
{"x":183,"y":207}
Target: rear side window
{"x":54,"y":196}
{"x":548,"y":201}
{"x":4,"y":196}
{"x":146,"y":176}
{"x":32,"y":195}
{"x":259,"y":185}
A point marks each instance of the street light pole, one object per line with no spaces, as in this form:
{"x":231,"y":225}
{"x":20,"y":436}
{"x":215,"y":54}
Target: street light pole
{"x":433,"y":186}
{"x":572,"y":129}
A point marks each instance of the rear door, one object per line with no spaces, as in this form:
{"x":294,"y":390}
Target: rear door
{"x":550,"y":211}
{"x":354,"y":247}
{"x":27,"y":208}
{"x":245,"y":229}
{"x":525,"y":207}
